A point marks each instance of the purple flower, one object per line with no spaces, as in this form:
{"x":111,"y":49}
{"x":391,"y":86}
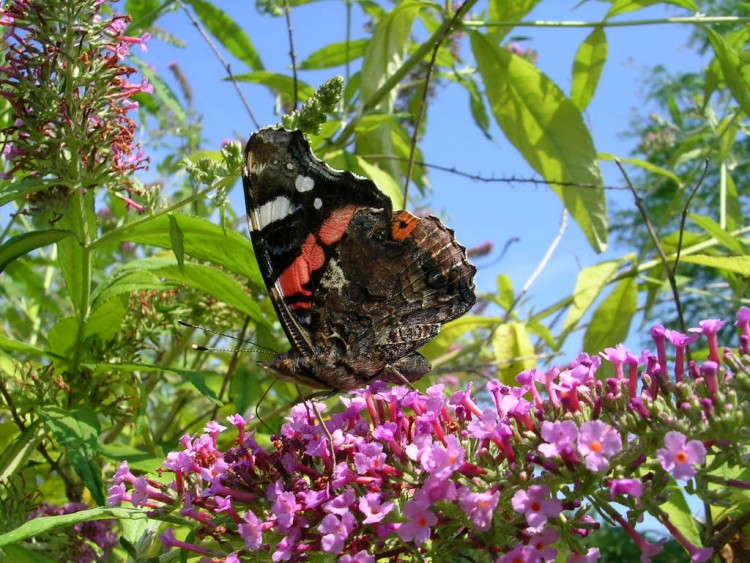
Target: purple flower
{"x":521,"y":554}
{"x":441,"y":461}
{"x":359,"y":557}
{"x":373,"y":508}
{"x":250,"y":530}
{"x":335,"y":531}
{"x":679,"y":457}
{"x":285,"y":508}
{"x":369,"y":458}
{"x":710,"y":328}
{"x":342,"y":503}
{"x":418,"y":525}
{"x":543,"y":541}
{"x":560,"y":436}
{"x":536,"y":506}
{"x":597,"y":442}
{"x":632,"y":487}
{"x":479,"y":507}
{"x":591,"y":556}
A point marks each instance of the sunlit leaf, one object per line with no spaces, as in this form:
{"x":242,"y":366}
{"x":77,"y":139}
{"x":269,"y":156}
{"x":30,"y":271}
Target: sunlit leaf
{"x":227,"y":32}
{"x":737,"y":264}
{"x":505,"y":11}
{"x":177,"y":239}
{"x":587,"y":67}
{"x":20,"y":245}
{"x":548,"y":130}
{"x":335,"y":54}
{"x":513,"y":350}
{"x":736,"y":71}
{"x":611,"y":320}
{"x":714,"y":229}
{"x":620,"y":7}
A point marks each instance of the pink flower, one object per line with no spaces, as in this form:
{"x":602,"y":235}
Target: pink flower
{"x":417,"y":527}
{"x":536,"y":506}
{"x":479,"y":507}
{"x":373,"y":508}
{"x":597,"y":442}
{"x":521,"y":554}
{"x":560,"y":437}
{"x":679,"y":457}
{"x":441,"y":461}
{"x":335,"y":531}
{"x":250,"y":530}
{"x":543,"y":541}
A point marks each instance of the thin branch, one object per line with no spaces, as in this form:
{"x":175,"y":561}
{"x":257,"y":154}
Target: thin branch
{"x":292,"y":52}
{"x":493,"y":179}
{"x":660,"y":251}
{"x":223,"y":62}
{"x":423,"y":103}
{"x":698,"y":19}
{"x":683,"y":219}
{"x":542,"y":264}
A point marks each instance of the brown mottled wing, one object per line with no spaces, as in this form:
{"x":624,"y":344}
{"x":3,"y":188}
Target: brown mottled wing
{"x":390,"y":287}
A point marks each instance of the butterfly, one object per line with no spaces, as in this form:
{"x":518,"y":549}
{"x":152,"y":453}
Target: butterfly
{"x":357,"y":286}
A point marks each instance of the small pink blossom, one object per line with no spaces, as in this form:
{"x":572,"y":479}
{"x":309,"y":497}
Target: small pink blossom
{"x":680,"y":458}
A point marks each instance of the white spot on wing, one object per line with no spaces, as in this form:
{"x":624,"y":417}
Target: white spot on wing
{"x":270,"y":212}
{"x":318,"y":203}
{"x":304,"y":183}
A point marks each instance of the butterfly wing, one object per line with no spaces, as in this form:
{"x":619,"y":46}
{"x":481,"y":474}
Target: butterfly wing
{"x":298,"y":209}
{"x":392,"y":284}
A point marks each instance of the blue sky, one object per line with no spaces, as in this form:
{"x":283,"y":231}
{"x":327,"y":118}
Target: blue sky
{"x":477,"y":211}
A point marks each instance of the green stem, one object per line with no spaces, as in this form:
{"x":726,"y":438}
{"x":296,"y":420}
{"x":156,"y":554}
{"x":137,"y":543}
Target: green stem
{"x":605,"y":23}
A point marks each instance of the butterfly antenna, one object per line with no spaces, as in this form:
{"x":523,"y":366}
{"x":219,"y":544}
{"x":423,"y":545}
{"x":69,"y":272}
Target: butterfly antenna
{"x":257,"y":407}
{"x":198,"y":347}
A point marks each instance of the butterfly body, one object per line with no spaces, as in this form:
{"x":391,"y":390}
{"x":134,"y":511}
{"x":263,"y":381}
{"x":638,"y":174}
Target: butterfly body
{"x":357,"y":286}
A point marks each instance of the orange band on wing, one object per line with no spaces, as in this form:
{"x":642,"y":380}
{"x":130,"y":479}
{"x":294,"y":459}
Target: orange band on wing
{"x":403,"y":224}
{"x":335,"y":226}
{"x":293,"y":280}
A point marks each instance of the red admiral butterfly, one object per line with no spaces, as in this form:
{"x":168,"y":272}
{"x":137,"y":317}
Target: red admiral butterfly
{"x":357,"y":286}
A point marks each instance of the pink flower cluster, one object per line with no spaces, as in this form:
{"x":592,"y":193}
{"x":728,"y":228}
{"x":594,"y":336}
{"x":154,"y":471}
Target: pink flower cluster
{"x":398,"y":472}
{"x":71,"y":111}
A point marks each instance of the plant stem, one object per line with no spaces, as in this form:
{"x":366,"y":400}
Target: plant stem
{"x":622,"y":23}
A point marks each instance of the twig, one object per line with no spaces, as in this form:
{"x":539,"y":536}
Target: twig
{"x":660,"y":251}
{"x":425,"y":91}
{"x":292,"y":52}
{"x":231,"y":368}
{"x":683,"y":219}
{"x":223,"y":62}
{"x":542,"y":264}
{"x":493,"y":179}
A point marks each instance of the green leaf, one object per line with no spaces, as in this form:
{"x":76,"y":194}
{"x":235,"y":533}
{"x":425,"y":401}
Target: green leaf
{"x":620,"y":7}
{"x":587,"y":67}
{"x":144,"y":14}
{"x":735,"y":69}
{"x":20,"y":245}
{"x":130,"y":281}
{"x":477,"y":107}
{"x":19,"y":554}
{"x":513,"y":350}
{"x":194,"y":378}
{"x":453,"y":331}
{"x":386,"y":50}
{"x":645,"y":165}
{"x":10,"y":345}
{"x":281,"y":84}
{"x":15,"y":455}
{"x":203,"y":240}
{"x":227,"y":32}
{"x":728,"y":241}
{"x":681,"y":515}
{"x":39,"y":526}
{"x":22,"y":188}
{"x":737,"y":264}
{"x":610,"y":323}
{"x":590,"y":283}
{"x":548,"y":130}
{"x":177,"y":238}
{"x":78,"y":430}
{"x":502,"y":10}
{"x":505,"y":295}
{"x":62,"y":337}
{"x":70,"y":258}
{"x":162,"y":91}
{"x":207,"y":279}
{"x":383,"y":180}
{"x":106,"y":318}
{"x":335,"y":54}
